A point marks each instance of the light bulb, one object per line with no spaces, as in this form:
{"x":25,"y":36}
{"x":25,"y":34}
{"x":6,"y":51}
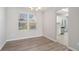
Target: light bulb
{"x":39,"y":7}
{"x":31,"y":8}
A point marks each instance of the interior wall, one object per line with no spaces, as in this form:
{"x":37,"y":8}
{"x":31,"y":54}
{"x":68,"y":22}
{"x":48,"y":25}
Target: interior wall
{"x":2,"y":27}
{"x":12,"y":24}
{"x":74,"y":28}
{"x":49,"y":25}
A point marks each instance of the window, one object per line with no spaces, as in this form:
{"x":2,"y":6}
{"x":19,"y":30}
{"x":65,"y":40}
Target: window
{"x":27,"y":21}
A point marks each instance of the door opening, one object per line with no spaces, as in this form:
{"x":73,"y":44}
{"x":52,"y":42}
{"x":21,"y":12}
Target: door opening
{"x":62,"y":26}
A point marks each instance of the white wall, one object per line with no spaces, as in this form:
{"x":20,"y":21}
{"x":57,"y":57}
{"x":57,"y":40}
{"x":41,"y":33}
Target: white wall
{"x":49,"y":26}
{"x":2,"y":27}
{"x":74,"y":28}
{"x":12,"y":24}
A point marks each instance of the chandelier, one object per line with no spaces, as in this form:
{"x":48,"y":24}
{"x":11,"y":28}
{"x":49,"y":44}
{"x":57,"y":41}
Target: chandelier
{"x":35,"y":8}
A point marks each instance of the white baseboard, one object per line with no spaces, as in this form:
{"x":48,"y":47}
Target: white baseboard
{"x":60,"y":43}
{"x":49,"y":38}
{"x":2,"y":45}
{"x":73,"y":49}
{"x":24,"y":38}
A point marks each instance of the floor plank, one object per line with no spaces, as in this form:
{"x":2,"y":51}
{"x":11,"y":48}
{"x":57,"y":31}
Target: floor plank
{"x":34,"y":44}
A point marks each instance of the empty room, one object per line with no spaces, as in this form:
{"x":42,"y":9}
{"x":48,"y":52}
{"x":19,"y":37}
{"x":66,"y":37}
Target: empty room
{"x":39,"y":29}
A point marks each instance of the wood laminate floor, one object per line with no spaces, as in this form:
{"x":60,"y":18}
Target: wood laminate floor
{"x":34,"y":44}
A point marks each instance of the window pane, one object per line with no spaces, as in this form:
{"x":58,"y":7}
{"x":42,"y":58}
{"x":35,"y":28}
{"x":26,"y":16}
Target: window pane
{"x":23,"y":21}
{"x":32,"y":24}
{"x":22,"y":26}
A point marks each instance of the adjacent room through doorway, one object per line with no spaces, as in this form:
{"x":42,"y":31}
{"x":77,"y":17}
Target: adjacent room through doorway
{"x":62,"y":26}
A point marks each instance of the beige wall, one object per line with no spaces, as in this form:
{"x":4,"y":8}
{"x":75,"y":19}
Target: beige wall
{"x":74,"y":28}
{"x":49,"y":26}
{"x":12,"y":24}
{"x":2,"y":27}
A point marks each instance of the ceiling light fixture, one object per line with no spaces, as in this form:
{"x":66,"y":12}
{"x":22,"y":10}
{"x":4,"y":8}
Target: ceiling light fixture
{"x":36,"y":8}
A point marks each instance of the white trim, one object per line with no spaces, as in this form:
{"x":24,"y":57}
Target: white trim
{"x":60,"y":43}
{"x":23,"y":38}
{"x":2,"y":45}
{"x":49,"y":38}
{"x":73,"y":49}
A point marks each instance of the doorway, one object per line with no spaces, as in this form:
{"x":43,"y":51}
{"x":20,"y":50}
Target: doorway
{"x":62,"y":26}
